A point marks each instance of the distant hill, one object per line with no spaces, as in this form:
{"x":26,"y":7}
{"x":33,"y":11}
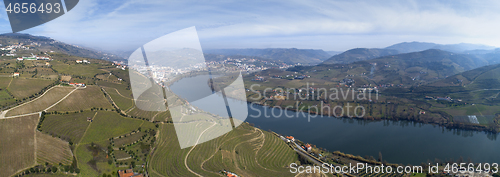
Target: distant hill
{"x":48,"y":44}
{"x":480,"y":85}
{"x":463,"y":47}
{"x":290,"y":56}
{"x":359,"y":54}
{"x":407,"y":47}
{"x":487,"y":77}
{"x":424,"y":66}
{"x":414,"y":68}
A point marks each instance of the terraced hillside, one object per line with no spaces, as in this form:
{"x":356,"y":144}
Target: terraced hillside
{"x":246,"y":150}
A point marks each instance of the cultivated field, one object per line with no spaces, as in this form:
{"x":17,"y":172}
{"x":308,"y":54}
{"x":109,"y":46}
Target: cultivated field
{"x":22,"y":88}
{"x":41,"y":103}
{"x":123,"y":102}
{"x":71,"y":68}
{"x":52,"y":150}
{"x":129,"y":139}
{"x":48,"y":175}
{"x":83,"y":99}
{"x":4,"y":82}
{"x":17,"y":147}
{"x":143,"y":114}
{"x":93,"y":160}
{"x":246,"y":151}
{"x":69,"y":127}
{"x":109,"y":124}
{"x":46,"y":73}
{"x":122,"y":88}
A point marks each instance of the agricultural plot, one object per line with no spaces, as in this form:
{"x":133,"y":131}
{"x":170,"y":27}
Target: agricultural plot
{"x":122,"y":88}
{"x":167,"y":147}
{"x":18,"y":144}
{"x":107,"y":124}
{"x":48,"y":175}
{"x":83,"y":99}
{"x":4,"y":82}
{"x":52,"y":150}
{"x":5,"y":97}
{"x":66,"y":78}
{"x":109,"y":78}
{"x":123,"y":102}
{"x":134,"y":111}
{"x":92,"y":158}
{"x":123,"y":74}
{"x":246,"y":151}
{"x":85,"y":70}
{"x":41,"y":103}
{"x":69,"y":127}
{"x":46,"y":73}
{"x":83,"y":157}
{"x":129,"y":139}
{"x":23,"y":88}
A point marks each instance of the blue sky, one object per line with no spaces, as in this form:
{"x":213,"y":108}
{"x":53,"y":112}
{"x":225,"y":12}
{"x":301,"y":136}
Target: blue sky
{"x":323,"y":24}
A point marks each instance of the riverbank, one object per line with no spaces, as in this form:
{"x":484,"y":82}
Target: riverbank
{"x":449,"y":125}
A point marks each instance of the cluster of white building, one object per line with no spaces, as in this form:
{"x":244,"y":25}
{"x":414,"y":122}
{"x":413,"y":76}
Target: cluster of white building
{"x":34,"y":57}
{"x":82,"y":61}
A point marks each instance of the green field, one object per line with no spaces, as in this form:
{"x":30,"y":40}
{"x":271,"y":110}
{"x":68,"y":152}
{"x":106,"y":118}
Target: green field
{"x":22,"y":88}
{"x":83,"y":99}
{"x":129,"y":139}
{"x":41,"y":103}
{"x":106,"y":125}
{"x":71,"y":68}
{"x":123,"y":102}
{"x":4,"y":82}
{"x":69,"y":127}
{"x":48,"y":175}
{"x":122,"y":88}
{"x":109,"y":124}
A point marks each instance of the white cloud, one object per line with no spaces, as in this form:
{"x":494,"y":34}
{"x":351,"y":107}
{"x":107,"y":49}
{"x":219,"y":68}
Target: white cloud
{"x":258,"y":24}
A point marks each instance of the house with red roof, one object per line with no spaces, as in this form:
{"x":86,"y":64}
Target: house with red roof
{"x":308,"y":147}
{"x":128,"y":173}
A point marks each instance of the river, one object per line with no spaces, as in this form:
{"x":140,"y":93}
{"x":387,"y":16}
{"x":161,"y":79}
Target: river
{"x":399,"y":141}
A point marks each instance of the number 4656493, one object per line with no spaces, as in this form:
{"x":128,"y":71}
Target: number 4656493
{"x":33,"y":8}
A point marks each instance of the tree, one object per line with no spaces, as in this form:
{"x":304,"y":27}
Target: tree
{"x":380,"y":156}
